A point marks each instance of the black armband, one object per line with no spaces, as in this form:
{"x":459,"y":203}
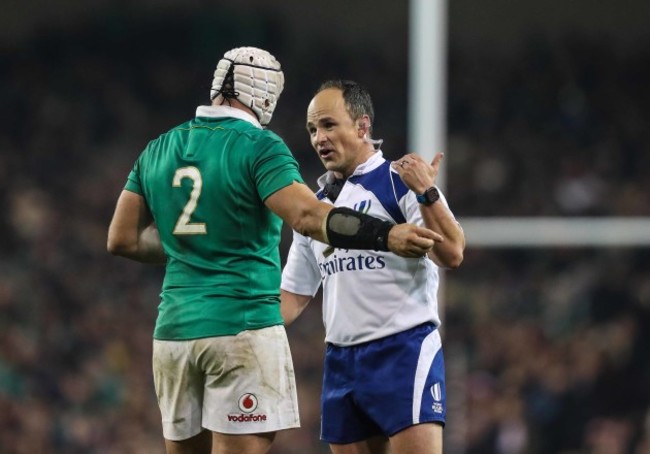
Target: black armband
{"x":349,"y":229}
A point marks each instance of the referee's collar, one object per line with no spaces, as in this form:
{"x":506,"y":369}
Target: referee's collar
{"x":226,"y":111}
{"x":371,"y":164}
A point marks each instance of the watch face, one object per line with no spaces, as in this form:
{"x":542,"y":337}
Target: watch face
{"x":430,"y":196}
{"x":433,"y":194}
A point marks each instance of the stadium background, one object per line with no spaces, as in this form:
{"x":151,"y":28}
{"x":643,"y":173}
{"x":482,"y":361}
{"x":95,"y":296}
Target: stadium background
{"x":547,"y":348}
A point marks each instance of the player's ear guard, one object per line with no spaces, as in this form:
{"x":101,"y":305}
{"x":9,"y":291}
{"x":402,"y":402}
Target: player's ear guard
{"x":349,"y":229}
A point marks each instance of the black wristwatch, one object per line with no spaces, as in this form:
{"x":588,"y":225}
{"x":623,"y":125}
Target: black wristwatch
{"x":429,"y":197}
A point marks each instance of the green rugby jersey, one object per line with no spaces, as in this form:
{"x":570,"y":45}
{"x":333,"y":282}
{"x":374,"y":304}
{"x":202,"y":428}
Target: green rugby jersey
{"x":205,"y":182}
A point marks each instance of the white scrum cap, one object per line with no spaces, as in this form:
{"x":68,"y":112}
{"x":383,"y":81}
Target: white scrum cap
{"x":252,"y":76}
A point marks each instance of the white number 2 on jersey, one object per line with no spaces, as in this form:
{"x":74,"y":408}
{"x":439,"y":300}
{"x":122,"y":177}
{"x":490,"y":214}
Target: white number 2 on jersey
{"x":183,"y":225}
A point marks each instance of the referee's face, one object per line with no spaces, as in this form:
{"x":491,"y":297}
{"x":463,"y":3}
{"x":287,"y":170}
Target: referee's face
{"x":334,"y":135}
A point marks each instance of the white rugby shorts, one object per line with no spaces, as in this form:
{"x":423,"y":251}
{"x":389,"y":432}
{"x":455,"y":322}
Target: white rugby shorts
{"x":242,"y":384}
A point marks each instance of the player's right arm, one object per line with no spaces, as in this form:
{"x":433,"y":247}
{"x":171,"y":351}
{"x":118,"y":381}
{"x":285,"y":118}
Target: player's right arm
{"x":132,"y":233}
{"x":344,"y":228}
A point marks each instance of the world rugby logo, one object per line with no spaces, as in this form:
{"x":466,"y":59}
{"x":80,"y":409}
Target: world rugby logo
{"x":436,"y":392}
{"x":247,"y":403}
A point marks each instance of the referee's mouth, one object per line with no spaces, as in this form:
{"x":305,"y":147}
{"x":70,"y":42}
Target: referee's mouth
{"x":326,"y":153}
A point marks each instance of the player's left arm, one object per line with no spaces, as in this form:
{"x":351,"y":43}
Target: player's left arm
{"x":132,"y":232}
{"x":419,"y":176}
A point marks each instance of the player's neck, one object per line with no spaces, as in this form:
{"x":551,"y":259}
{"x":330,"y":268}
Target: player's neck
{"x":232,"y":102}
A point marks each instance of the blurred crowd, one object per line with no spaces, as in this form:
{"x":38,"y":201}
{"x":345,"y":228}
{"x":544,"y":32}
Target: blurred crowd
{"x":547,"y":350}
{"x":555,"y":350}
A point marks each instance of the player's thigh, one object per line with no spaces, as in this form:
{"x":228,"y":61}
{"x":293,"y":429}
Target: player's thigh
{"x":198,"y":444}
{"x":418,"y":439}
{"x":373,"y":445}
{"x":179,"y":389}
{"x":251,"y":389}
{"x":214,"y":443}
{"x":238,"y":444}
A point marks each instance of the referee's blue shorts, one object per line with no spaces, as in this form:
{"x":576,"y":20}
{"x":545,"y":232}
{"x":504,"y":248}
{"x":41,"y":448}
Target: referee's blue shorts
{"x":383,"y":386}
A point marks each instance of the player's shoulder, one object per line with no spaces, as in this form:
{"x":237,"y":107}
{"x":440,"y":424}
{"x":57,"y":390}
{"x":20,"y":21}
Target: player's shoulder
{"x":264,"y":135}
{"x":171,"y":134}
{"x":252,"y":133}
{"x":266,"y":143}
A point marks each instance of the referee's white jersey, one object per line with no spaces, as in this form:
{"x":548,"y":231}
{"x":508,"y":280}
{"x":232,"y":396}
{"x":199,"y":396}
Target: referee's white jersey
{"x":367,"y":295}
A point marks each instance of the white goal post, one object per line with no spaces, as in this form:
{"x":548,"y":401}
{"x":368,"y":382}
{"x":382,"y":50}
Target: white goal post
{"x":427,"y":88}
{"x":427,"y":93}
{"x":556,"y":231}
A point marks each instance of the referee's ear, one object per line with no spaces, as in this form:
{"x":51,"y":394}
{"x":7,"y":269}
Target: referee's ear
{"x":363,"y":126}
